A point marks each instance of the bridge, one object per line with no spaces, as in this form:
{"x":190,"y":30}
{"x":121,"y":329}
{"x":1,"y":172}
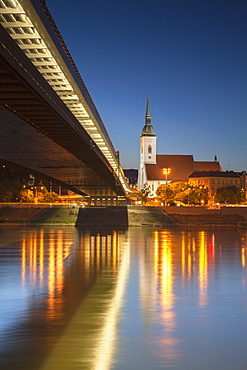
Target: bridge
{"x":49,"y":124}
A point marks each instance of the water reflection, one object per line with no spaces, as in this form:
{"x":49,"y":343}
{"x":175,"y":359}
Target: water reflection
{"x":114,"y":300}
{"x":190,"y":284}
{"x":58,"y":270}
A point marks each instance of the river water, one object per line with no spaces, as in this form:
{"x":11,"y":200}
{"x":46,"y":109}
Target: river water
{"x":135,"y":299}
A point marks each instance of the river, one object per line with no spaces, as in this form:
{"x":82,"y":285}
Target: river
{"x":136,"y":299}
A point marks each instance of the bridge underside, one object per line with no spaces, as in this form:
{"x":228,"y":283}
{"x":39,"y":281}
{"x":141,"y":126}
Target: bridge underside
{"x":21,"y":145}
{"x":38,"y":132}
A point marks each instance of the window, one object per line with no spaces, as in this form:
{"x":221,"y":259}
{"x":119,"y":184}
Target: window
{"x":149,"y":149}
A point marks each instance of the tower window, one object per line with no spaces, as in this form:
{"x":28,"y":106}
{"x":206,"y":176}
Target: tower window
{"x":150,"y":149}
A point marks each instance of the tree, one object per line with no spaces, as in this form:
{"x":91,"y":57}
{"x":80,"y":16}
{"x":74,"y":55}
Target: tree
{"x":39,"y":193}
{"x":196,"y":195}
{"x":10,"y":191}
{"x":27,"y":196}
{"x":45,"y":197}
{"x":144,"y":193}
{"x":182,"y":192}
{"x":229,"y":195}
{"x":165,"y":194}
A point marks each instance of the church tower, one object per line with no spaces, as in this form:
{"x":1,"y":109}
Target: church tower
{"x":147,"y":147}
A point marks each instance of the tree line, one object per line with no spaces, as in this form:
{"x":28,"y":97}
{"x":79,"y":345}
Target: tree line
{"x":184,"y":193}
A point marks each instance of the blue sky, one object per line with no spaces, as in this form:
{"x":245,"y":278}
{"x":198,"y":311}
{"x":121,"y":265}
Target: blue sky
{"x":188,"y":56}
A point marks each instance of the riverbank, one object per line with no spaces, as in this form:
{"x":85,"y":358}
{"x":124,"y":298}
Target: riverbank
{"x":202,"y":216}
{"x":123,"y":216}
{"x":38,"y":215}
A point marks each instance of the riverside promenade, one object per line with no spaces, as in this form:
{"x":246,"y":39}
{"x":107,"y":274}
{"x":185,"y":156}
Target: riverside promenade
{"x":122,"y":216}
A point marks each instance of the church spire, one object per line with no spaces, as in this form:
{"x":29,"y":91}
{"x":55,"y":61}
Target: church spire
{"x":148,"y":129}
{"x":148,"y":116}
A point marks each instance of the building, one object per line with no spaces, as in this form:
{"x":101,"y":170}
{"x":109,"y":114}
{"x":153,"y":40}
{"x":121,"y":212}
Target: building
{"x":155,"y":170}
{"x":214,"y":180}
{"x":131,"y":177}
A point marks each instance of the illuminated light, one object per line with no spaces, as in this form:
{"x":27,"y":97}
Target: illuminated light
{"x":166,"y":171}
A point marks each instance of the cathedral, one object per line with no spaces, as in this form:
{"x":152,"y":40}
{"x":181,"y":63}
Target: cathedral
{"x":156,"y":169}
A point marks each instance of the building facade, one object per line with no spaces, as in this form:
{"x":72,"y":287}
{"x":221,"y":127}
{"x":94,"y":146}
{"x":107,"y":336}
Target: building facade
{"x":215,"y":180}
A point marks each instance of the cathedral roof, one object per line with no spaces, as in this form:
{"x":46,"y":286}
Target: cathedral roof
{"x":181,"y":166}
{"x":148,"y":129}
{"x":208,"y":166}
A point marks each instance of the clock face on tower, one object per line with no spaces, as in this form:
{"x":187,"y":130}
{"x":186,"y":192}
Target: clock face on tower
{"x":149,"y":157}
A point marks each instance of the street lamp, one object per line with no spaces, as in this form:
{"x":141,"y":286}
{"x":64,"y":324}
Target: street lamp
{"x":166,"y":172}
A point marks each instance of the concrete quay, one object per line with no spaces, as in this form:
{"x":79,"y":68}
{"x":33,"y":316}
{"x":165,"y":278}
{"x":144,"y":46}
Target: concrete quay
{"x":123,"y":216}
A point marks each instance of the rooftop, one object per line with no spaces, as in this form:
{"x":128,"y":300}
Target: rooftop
{"x":230,"y":174}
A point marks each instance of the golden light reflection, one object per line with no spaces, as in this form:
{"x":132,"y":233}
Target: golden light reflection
{"x":156,"y":253}
{"x":59,"y":262}
{"x":203,"y":269}
{"x":165,"y":281}
{"x":34,"y":272}
{"x":104,"y":350}
{"x":41,"y":257}
{"x":114,"y":250}
{"x":43,"y":262}
{"x":96,"y":319}
{"x":190,"y":256}
{"x":51,"y":276}
{"x":148,"y":274}
{"x":166,"y":255}
{"x":243,"y":249}
{"x":243,"y":257}
{"x":183,"y":257}
{"x":23,"y":261}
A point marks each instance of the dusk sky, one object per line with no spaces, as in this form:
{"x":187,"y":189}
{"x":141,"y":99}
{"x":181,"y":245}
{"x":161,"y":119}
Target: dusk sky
{"x":188,"y":56}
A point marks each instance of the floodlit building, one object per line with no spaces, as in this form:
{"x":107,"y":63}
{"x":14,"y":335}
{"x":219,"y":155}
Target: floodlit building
{"x":215,"y":180}
{"x":156,"y":169}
